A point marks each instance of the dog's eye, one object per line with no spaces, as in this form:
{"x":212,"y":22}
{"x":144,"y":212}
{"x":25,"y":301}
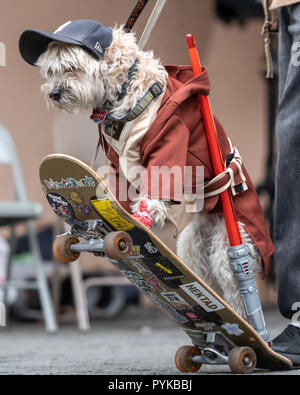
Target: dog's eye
{"x":49,"y":73}
{"x":68,"y":69}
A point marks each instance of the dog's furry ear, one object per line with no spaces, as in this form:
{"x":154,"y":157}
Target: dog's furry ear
{"x":123,"y":49}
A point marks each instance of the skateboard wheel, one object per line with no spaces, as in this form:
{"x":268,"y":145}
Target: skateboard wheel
{"x":183,"y":359}
{"x":242,"y":360}
{"x":61,"y":249}
{"x":118,"y":245}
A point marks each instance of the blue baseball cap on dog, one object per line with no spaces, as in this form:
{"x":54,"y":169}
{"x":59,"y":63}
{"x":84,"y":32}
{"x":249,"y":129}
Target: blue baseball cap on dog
{"x":86,"y":33}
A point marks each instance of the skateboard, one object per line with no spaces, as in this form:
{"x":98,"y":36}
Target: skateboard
{"x":100,"y":225}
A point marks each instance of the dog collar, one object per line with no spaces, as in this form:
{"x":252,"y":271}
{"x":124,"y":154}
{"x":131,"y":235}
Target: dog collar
{"x":99,"y":116}
{"x":113,"y":123}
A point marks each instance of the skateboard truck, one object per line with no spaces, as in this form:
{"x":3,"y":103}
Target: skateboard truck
{"x":218,"y":350}
{"x":95,"y":246}
{"x":115,"y":245}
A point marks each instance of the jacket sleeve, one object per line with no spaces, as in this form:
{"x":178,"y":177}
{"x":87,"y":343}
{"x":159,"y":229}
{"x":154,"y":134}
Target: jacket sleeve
{"x":164,"y":159}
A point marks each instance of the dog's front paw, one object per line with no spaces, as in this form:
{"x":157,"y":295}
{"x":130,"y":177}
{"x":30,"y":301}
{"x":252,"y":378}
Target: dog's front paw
{"x":143,"y":214}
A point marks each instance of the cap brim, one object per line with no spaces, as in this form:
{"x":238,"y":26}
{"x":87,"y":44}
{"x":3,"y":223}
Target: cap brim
{"x":33,"y":43}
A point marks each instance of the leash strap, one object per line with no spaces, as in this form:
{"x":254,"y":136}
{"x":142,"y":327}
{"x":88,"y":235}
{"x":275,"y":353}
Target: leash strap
{"x":92,"y":164}
{"x":151,"y":23}
{"x":131,"y":73}
{"x":136,"y":12}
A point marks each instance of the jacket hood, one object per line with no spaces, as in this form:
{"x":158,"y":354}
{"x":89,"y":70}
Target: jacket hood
{"x":184,"y":85}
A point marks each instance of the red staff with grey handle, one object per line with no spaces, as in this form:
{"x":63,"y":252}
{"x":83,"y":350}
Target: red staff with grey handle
{"x":240,"y":261}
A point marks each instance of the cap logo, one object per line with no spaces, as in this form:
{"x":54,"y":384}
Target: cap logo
{"x":62,"y":27}
{"x":98,"y":48}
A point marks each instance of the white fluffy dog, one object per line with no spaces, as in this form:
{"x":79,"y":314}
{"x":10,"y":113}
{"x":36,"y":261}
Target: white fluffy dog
{"x":76,"y":80}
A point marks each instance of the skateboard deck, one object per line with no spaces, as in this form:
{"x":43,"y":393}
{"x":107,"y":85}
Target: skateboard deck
{"x":80,"y":198}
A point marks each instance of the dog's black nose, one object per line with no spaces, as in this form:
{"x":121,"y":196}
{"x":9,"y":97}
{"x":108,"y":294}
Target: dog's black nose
{"x":55,"y":94}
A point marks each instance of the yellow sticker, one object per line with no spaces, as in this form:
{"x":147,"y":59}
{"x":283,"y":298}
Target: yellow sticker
{"x":136,"y":250}
{"x":107,"y":212}
{"x":163,"y":268}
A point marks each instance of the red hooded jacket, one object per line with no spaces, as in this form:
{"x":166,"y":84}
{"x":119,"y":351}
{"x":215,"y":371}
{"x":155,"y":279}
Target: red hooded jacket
{"x":177,"y":138}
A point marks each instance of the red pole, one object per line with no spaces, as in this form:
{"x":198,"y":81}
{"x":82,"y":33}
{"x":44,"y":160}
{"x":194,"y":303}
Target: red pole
{"x":214,"y":148}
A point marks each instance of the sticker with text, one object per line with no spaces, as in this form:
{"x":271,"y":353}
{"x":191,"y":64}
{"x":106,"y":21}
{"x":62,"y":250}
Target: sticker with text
{"x":139,"y":267}
{"x":138,"y":280}
{"x":70,"y":183}
{"x":200,"y":295}
{"x":60,"y":205}
{"x":174,"y":299}
{"x":105,"y":209}
{"x":151,"y":248}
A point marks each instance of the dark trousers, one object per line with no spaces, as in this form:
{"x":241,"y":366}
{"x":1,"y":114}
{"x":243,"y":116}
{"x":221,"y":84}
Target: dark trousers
{"x":287,"y":203}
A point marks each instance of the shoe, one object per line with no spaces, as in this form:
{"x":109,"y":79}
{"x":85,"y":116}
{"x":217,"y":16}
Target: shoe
{"x":288,"y":344}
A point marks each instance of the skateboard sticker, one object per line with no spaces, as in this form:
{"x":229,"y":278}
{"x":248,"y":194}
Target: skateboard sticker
{"x":232,"y":329}
{"x":165,"y":271}
{"x":207,"y":326}
{"x":174,"y":299}
{"x":79,"y":202}
{"x":60,"y":206}
{"x":198,"y":338}
{"x":155,"y":283}
{"x":138,"y":280}
{"x":136,"y":251}
{"x":202,"y":296}
{"x":172,"y":313}
{"x":70,"y":183}
{"x":197,"y":314}
{"x":150,"y":248}
{"x":105,"y":209}
{"x":121,"y":266}
{"x":139,"y":267}
{"x":141,"y":283}
{"x":189,"y":317}
{"x":144,"y":243}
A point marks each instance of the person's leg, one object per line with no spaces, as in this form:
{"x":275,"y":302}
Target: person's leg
{"x":287,"y":203}
{"x":284,"y":49}
{"x":287,"y":196}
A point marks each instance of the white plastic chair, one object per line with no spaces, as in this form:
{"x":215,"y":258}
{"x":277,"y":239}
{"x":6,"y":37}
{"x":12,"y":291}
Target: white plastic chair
{"x":21,"y":210}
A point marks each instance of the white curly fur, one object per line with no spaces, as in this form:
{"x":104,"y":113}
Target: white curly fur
{"x":203,"y":246}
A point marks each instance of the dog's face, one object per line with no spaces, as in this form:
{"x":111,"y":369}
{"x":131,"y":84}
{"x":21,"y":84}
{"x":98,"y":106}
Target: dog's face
{"x":73,"y":78}
{"x":76,"y":81}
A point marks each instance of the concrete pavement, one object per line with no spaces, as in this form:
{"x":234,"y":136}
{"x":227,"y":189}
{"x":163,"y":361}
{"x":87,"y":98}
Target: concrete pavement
{"x":139,"y":342}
